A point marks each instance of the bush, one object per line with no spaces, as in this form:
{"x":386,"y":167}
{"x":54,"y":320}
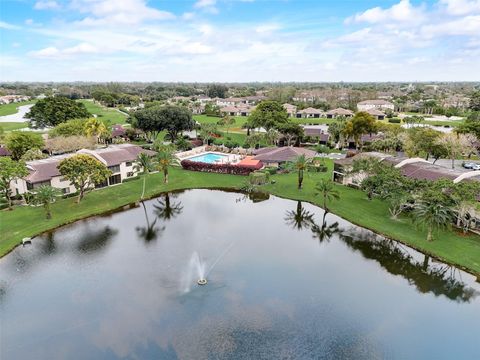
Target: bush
{"x":217,"y":168}
{"x":259,"y":178}
{"x":70,"y":195}
{"x":394,"y":121}
{"x":271,"y":170}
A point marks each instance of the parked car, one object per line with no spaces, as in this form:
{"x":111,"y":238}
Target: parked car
{"x":476,"y":167}
{"x":469,"y":165}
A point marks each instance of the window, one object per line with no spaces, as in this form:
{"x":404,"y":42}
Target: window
{"x":115,"y":179}
{"x":62,"y":179}
{"x":129,"y":163}
{"x":66,"y":190}
{"x":130,"y":174}
{"x":114,"y":169}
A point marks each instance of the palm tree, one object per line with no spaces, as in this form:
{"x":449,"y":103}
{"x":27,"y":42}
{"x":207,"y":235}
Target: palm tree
{"x":327,"y":190}
{"x":227,"y":121}
{"x":167,"y":210}
{"x":433,"y":216}
{"x":300,"y":218}
{"x":143,"y":163}
{"x":165,"y":158}
{"x":300,"y":164}
{"x":44,"y":196}
{"x":325,"y":232}
{"x":95,"y":127}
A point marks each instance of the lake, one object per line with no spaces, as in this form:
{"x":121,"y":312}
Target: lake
{"x":283,"y":283}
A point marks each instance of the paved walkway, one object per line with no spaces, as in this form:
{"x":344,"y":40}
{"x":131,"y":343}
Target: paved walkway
{"x":17,"y":117}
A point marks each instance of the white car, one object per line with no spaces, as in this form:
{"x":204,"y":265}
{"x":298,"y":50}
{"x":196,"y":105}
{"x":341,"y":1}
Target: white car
{"x":475,"y":167}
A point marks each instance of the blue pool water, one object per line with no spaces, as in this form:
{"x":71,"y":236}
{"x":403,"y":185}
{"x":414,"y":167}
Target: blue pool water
{"x":209,"y":158}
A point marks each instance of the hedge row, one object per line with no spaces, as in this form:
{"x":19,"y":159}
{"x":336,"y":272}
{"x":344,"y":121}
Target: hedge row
{"x":217,"y":168}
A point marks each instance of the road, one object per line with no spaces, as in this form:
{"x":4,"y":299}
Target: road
{"x":17,"y":117}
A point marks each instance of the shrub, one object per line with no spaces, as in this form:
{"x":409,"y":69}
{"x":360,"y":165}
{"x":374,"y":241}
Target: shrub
{"x":259,"y":178}
{"x":217,"y":168}
{"x":271,"y":170}
{"x":394,"y":121}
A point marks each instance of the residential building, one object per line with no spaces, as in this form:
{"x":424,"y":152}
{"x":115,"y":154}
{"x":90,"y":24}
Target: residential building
{"x":382,"y":105}
{"x":291,"y":110}
{"x":332,"y":114}
{"x":275,"y":156}
{"x":119,"y":159}
{"x":310,"y":113}
{"x":377,"y":114}
{"x":7,"y":99}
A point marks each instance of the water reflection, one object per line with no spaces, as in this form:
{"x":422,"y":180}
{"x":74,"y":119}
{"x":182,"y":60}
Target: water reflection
{"x":91,"y":241}
{"x":396,"y":259}
{"x":149,"y":232}
{"x":167,"y":210}
{"x":299,"y":219}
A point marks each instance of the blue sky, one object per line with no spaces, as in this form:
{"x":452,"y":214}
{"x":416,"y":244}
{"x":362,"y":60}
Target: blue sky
{"x":239,"y":40}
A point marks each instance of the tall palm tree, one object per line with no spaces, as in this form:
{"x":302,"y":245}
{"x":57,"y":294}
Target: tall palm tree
{"x":165,"y":159}
{"x":433,"y":216}
{"x":300,"y":164}
{"x":167,"y":210}
{"x":44,"y":196}
{"x":143,"y":163}
{"x":300,"y":218}
{"x":327,"y":190}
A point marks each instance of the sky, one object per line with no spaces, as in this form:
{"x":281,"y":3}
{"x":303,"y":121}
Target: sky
{"x":239,"y":40}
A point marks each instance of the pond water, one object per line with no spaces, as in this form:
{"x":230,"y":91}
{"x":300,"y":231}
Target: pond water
{"x":282,"y":284}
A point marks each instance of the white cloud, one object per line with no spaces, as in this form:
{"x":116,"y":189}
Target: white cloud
{"x":55,"y":53}
{"x":46,"y":5}
{"x":461,"y":7}
{"x":267,"y":28}
{"x":468,"y":25}
{"x":403,"y":12}
{"x":207,"y":6}
{"x":188,"y":15}
{"x":7,"y":26}
{"x":113,"y":12}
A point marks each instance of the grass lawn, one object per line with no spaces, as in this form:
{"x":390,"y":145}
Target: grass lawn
{"x":11,"y":126}
{"x":443,"y":123}
{"x":111,"y":114}
{"x":353,"y":206}
{"x":9,"y":109}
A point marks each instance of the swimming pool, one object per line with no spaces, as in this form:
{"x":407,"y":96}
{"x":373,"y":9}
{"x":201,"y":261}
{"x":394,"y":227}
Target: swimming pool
{"x":209,"y":158}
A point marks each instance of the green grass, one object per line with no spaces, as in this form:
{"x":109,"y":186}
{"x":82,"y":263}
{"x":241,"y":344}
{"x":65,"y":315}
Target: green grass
{"x":9,"y":109}
{"x":353,"y":206}
{"x":11,"y":126}
{"x":103,"y":113}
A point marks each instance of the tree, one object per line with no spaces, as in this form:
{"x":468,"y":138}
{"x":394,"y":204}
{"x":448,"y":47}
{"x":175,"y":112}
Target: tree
{"x":207,"y":131}
{"x":432,"y":215}
{"x":413,"y":120}
{"x":173,"y":119}
{"x":52,"y":111}
{"x":66,"y":144}
{"x":217,"y":90}
{"x":456,"y":145}
{"x":227,"y":121}
{"x":69,"y":128}
{"x":471,"y":125}
{"x":422,"y":141}
{"x":96,"y":128}
{"x":33,"y":154}
{"x":176,"y":119}
{"x":361,"y":124}
{"x":336,"y":130}
{"x":45,"y":195}
{"x":83,"y":172}
{"x":10,"y":170}
{"x":328,"y":192}
{"x":465,"y":194}
{"x":19,"y":142}
{"x":272,"y":136}
{"x":300,"y":164}
{"x":474,"y":104}
{"x":167,"y":210}
{"x":290,"y":131}
{"x":165,"y":159}
{"x":143,"y":163}
{"x":268,"y":114}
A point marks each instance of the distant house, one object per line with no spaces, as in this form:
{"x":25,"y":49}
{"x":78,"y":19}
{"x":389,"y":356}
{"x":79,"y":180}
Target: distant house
{"x":382,"y":105}
{"x":414,"y":168}
{"x":275,"y":156}
{"x":317,"y":133}
{"x":118,"y":131}
{"x":290,"y":109}
{"x":238,"y":110}
{"x":310,"y":113}
{"x":119,"y":159}
{"x":377,"y":114}
{"x":332,"y":114}
{"x":7,"y":99}
{"x":228,"y":101}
